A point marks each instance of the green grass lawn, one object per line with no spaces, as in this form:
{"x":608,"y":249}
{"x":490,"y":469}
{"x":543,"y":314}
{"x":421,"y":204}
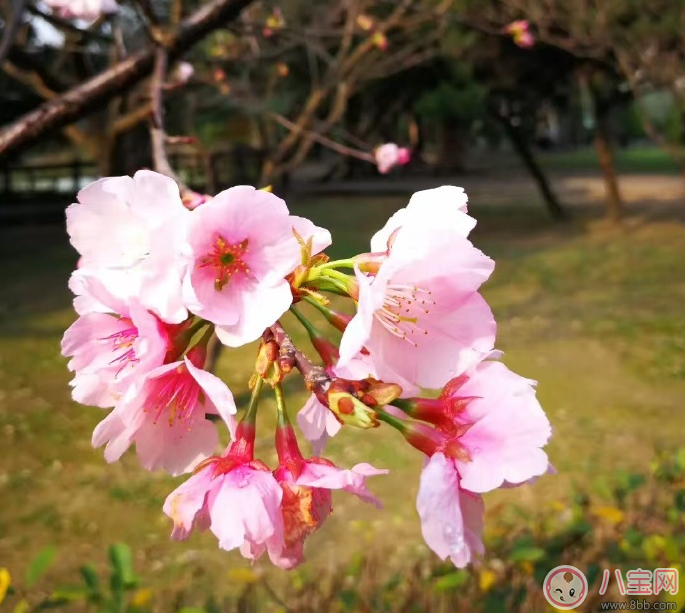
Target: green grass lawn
{"x":636,"y":159}
{"x":595,"y":315}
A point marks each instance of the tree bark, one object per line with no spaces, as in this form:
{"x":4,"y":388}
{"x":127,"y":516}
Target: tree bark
{"x":605,"y":157}
{"x":81,"y":100}
{"x":521,"y":146}
{"x":452,"y":152}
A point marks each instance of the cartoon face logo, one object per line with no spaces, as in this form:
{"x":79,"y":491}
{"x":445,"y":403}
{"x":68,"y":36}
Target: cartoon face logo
{"x":565,"y":587}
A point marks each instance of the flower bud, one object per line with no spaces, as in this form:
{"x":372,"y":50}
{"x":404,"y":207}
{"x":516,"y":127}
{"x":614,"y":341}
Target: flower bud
{"x":351,"y":411}
{"x":267,"y":364}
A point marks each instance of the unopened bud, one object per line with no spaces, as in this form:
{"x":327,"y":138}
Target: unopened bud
{"x":351,"y":411}
{"x":267,"y":364}
{"x":383,"y":393}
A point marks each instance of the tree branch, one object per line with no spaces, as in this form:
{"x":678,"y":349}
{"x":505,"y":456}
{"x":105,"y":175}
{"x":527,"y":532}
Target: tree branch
{"x":158,"y":136}
{"x":315,"y":377}
{"x":322,"y":140}
{"x":92,"y":94}
{"x":11,"y":27}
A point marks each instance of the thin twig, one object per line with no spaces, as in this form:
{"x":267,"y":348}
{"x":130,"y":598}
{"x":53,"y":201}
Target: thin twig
{"x":11,"y":27}
{"x":322,"y":140}
{"x":315,"y":377}
{"x":158,"y":136}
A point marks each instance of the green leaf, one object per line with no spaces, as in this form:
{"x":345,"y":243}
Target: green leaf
{"x":90,"y":578}
{"x":451,"y":581}
{"x":39,"y":565}
{"x":63,"y":597}
{"x":192,"y":610}
{"x":121,"y":559}
{"x":527,"y":554}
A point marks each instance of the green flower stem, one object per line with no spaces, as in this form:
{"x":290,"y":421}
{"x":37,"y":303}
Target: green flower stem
{"x":308,"y":326}
{"x":251,"y":412}
{"x":348,"y":263}
{"x":398,"y":424}
{"x":283,"y":420}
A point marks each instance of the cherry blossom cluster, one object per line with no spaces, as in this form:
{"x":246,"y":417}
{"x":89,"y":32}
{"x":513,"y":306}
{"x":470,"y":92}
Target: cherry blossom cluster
{"x":89,"y":10}
{"x":161,"y":278}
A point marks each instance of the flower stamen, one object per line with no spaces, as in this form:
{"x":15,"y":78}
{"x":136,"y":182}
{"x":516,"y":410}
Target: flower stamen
{"x":226,"y":260}
{"x":403,"y":307}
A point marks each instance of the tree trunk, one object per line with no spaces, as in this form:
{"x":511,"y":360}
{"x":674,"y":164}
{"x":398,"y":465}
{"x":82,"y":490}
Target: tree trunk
{"x":605,"y":157}
{"x":452,"y":146}
{"x":521,"y":146}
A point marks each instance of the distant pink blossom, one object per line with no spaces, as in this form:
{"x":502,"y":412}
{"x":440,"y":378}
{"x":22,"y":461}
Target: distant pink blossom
{"x":234,"y":496}
{"x":390,"y":155}
{"x":419,"y":313}
{"x":183,"y":72}
{"x":274,"y":22}
{"x":380,"y":41}
{"x":520,"y":33}
{"x":111,"y":349}
{"x":165,"y":417}
{"x":451,"y":518}
{"x":82,"y":9}
{"x":241,"y":247}
{"x":129,"y":232}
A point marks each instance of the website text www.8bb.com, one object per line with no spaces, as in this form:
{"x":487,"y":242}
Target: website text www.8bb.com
{"x":638,"y":605}
{"x":566,"y":587}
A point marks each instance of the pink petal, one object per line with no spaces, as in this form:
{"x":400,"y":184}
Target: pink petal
{"x":317,"y":424}
{"x":451,"y":521}
{"x":217,"y":393}
{"x":247,"y":508}
{"x":177,"y":448}
{"x":186,"y":501}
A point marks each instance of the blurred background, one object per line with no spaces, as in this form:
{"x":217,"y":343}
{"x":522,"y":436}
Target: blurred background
{"x":565,"y":123}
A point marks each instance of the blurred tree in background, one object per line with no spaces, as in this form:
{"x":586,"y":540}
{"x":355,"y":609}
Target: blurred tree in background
{"x":276,"y":86}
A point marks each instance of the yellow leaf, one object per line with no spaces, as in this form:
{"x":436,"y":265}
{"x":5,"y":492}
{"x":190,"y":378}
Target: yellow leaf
{"x":611,"y":514}
{"x":486,"y":580}
{"x":527,"y":567}
{"x":22,"y":607}
{"x":5,"y":580}
{"x":142,"y":597}
{"x":242,"y":575}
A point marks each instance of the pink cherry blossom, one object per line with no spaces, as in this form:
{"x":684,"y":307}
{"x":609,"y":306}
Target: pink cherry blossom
{"x":390,"y":155}
{"x":505,"y":428}
{"x":307,"y":502}
{"x":317,"y":423}
{"x":451,"y":518}
{"x":242,"y":247}
{"x":184,"y":71}
{"x":446,"y":205}
{"x":129,"y":232}
{"x":165,"y":416}
{"x":235,"y":496}
{"x":109,"y":350}
{"x":420,"y":315}
{"x":82,"y":9}
{"x":520,"y":33}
